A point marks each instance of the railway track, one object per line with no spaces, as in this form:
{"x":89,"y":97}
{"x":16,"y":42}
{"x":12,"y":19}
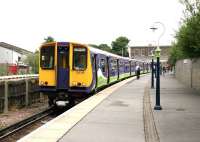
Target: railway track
{"x":12,"y":133}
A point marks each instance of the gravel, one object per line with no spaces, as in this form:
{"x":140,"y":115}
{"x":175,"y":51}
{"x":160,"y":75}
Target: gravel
{"x":16,"y":115}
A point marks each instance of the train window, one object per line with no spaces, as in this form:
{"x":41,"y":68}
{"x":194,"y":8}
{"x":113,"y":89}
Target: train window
{"x":47,"y":57}
{"x":79,"y":58}
{"x":63,"y":59}
{"x":121,"y":64}
{"x":113,"y":64}
{"x":127,"y":65}
{"x":103,"y":65}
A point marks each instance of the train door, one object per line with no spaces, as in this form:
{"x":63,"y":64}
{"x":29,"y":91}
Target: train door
{"x":108,"y":70}
{"x":117,"y":69}
{"x":63,"y":67}
{"x":94,"y":59}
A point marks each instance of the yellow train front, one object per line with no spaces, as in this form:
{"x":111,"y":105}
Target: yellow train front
{"x":65,"y":72}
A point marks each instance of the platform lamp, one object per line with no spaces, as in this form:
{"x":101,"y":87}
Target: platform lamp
{"x":152,"y":69}
{"x":157,"y":54}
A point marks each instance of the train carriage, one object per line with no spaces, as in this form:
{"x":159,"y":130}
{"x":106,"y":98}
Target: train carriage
{"x":70,"y":70}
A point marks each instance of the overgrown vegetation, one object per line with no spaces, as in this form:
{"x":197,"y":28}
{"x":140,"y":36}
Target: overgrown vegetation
{"x":32,"y":60}
{"x":187,"y":44}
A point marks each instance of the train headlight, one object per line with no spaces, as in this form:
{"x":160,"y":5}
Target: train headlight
{"x":42,"y":83}
{"x":83,"y":84}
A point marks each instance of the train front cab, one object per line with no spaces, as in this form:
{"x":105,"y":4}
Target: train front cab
{"x":65,"y":69}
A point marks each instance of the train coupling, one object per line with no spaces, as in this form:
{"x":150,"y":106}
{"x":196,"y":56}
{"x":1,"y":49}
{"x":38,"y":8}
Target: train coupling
{"x":62,"y":103}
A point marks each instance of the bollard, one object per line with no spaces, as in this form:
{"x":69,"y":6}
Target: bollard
{"x":6,"y":97}
{"x":26,"y":98}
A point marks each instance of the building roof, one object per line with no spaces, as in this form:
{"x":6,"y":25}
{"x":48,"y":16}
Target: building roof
{"x":161,"y":46}
{"x":15,"y":48}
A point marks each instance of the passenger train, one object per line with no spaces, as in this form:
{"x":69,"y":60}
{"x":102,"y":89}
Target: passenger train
{"x":70,"y":70}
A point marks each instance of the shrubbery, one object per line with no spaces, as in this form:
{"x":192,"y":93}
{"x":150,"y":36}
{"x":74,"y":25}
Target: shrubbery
{"x":187,"y":43}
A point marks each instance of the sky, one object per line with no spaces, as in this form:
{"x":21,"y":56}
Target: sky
{"x":25,"y":23}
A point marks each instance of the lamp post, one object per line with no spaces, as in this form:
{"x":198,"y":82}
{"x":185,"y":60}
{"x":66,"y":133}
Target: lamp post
{"x":157,"y":54}
{"x":152,"y":70}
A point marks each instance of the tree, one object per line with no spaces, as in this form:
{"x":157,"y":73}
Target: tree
{"x":32,"y":60}
{"x":49,"y":39}
{"x":175,"y":54}
{"x":192,"y":7}
{"x":105,"y":47}
{"x":102,"y":46}
{"x":187,"y":43}
{"x":120,"y":46}
{"x":188,"y":37}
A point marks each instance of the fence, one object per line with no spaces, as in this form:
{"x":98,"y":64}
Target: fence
{"x":19,"y":93}
{"x":11,"y":77}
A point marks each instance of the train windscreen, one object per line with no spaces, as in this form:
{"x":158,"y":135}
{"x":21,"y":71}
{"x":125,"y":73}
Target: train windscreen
{"x":47,"y":57}
{"x":79,"y":58}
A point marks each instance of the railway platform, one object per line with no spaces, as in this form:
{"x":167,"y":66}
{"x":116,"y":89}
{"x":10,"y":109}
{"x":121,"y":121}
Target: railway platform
{"x":124,"y":113}
{"x":179,"y":121}
{"x":114,"y":114}
{"x":119,"y":118}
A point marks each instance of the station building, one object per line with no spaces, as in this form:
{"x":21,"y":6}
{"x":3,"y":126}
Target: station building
{"x":144,"y":52}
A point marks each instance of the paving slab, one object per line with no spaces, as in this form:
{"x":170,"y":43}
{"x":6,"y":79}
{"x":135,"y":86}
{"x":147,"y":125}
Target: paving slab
{"x":179,"y":120}
{"x":119,"y":118}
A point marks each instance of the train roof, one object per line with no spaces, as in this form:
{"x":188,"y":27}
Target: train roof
{"x":96,"y":50}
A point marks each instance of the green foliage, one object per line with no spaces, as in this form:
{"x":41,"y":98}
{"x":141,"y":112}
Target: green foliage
{"x":49,"y":39}
{"x":175,"y":54}
{"x":188,"y":37}
{"x":191,"y":7}
{"x":187,"y":43}
{"x":120,"y":46}
{"x":121,"y":43}
{"x":105,"y":47}
{"x":33,"y":61}
{"x":102,"y":46}
{"x":3,"y":69}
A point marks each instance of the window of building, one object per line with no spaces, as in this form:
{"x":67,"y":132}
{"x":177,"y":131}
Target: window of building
{"x":143,"y":52}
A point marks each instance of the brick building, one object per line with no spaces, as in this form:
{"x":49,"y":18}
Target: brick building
{"x":144,"y":52}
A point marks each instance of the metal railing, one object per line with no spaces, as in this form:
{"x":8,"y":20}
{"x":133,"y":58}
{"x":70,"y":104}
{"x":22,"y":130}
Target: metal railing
{"x":10,"y":77}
